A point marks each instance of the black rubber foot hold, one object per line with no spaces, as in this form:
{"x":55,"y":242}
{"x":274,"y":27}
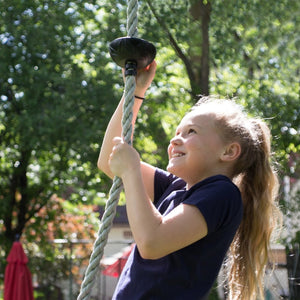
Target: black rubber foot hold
{"x":138,"y":53}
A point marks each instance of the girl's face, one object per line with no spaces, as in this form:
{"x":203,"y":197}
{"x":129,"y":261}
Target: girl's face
{"x":195,"y":151}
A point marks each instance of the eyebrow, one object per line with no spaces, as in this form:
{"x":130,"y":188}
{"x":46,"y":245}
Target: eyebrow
{"x":188,"y":125}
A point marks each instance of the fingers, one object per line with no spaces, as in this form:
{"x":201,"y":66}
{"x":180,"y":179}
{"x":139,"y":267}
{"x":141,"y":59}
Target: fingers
{"x":144,"y":77}
{"x":117,"y":143}
{"x":151,"y":68}
{"x":117,"y":140}
{"x":122,"y":158}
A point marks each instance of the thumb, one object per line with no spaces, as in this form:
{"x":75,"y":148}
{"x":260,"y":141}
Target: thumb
{"x":117,"y":140}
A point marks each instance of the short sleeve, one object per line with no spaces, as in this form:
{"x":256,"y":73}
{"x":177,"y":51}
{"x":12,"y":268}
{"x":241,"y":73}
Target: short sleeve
{"x":164,"y":183}
{"x":220,"y":203}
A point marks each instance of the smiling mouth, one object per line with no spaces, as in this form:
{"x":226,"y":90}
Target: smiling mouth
{"x":177,"y":155}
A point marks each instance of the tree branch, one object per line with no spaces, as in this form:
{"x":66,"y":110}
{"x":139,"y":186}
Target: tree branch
{"x":174,"y":44}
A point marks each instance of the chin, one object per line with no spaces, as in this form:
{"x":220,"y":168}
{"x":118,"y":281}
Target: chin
{"x":171,"y":169}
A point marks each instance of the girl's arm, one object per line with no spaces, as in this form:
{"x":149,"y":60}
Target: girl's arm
{"x":155,"y":235}
{"x":114,"y":128}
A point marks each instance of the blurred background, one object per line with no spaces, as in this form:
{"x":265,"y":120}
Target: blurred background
{"x":59,"y":87}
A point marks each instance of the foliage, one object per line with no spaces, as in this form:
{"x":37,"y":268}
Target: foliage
{"x":58,"y":88}
{"x":50,"y":123}
{"x":179,"y":21}
{"x":49,"y":112}
{"x":59,"y":241}
{"x":259,"y":64}
{"x":254,"y":57}
{"x":291,"y":234}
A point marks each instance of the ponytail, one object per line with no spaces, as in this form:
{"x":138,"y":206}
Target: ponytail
{"x":258,"y":184}
{"x":256,"y":178}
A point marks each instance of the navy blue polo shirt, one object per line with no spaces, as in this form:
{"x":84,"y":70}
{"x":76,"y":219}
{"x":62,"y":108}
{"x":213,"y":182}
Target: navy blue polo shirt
{"x":190,"y":272}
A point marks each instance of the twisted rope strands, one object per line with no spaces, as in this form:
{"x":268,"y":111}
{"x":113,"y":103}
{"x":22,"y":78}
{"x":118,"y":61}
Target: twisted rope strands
{"x":98,"y":248}
{"x":127,"y":108}
{"x":132,"y":20}
{"x":114,"y":194}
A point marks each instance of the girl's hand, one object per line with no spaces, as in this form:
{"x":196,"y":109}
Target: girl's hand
{"x":144,"y":78}
{"x":123,"y":158}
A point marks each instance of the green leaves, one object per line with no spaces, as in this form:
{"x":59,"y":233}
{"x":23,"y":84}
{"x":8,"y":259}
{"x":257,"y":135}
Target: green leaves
{"x":59,"y":87}
{"x":49,"y":103}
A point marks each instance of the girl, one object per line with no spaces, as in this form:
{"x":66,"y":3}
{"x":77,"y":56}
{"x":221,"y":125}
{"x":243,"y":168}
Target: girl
{"x":218,"y":194}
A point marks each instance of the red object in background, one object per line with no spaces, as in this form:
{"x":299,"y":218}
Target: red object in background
{"x":17,"y":278}
{"x":116,"y":267}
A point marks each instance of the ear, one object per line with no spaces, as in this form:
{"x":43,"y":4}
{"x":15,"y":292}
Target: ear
{"x":231,"y":152}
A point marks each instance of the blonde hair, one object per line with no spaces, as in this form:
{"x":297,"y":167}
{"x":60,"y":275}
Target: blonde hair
{"x":257,"y":180}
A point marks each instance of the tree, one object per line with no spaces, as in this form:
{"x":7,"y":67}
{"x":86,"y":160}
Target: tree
{"x":253,"y":56}
{"x":259,"y":64}
{"x":49,"y":107}
{"x":58,"y":87}
{"x":59,"y":242}
{"x":193,"y":22}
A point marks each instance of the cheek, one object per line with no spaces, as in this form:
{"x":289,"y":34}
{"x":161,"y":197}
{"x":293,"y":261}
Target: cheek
{"x":193,"y":145}
{"x":169,"y":150}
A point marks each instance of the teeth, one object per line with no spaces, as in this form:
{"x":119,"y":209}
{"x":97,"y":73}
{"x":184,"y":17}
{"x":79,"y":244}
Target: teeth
{"x":177,"y":155}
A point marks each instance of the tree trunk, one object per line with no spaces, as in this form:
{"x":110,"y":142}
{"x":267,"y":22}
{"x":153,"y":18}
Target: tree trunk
{"x":196,"y":64}
{"x":19,"y":188}
{"x":201,"y":11}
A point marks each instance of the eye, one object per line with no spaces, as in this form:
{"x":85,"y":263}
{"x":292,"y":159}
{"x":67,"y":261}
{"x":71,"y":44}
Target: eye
{"x":191,"y":130}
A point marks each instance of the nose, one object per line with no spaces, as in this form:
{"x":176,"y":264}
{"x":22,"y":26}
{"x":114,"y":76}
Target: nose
{"x":176,"y":140}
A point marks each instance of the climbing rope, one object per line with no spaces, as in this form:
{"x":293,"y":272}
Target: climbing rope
{"x":114,"y":193}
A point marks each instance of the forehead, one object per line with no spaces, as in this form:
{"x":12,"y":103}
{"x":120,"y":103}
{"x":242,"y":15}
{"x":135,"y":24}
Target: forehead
{"x":198,"y":118}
